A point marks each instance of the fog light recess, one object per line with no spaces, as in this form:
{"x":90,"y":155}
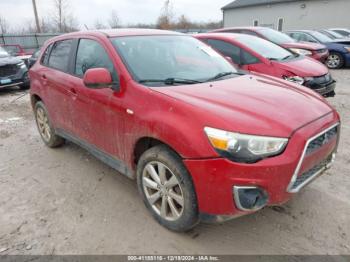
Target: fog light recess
{"x":250,"y":198}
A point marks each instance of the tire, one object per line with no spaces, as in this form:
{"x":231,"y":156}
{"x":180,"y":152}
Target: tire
{"x":178,"y":188}
{"x":46,"y":131}
{"x":335,"y":60}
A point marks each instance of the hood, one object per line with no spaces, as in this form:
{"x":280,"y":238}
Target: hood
{"x":9,"y":60}
{"x":303,"y":66}
{"x":304,"y":45}
{"x":345,"y":41}
{"x":251,"y":104}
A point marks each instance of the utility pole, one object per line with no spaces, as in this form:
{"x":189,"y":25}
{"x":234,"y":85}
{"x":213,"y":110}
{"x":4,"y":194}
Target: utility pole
{"x":36,"y":17}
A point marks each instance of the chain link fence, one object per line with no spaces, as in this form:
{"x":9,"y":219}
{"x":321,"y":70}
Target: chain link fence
{"x":27,"y":41}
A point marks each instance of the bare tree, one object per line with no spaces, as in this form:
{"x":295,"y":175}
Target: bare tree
{"x":183,"y":23}
{"x":4,"y":27}
{"x":165,"y":20}
{"x":63,"y":18}
{"x":99,"y":25}
{"x":114,"y":20}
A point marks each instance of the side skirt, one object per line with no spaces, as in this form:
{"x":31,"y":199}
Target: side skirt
{"x":104,"y":157}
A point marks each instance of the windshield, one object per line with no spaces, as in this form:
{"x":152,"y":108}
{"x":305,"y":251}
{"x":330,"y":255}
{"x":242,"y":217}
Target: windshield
{"x":264,"y":48}
{"x":3,"y":52}
{"x":170,"y":57}
{"x":321,"y":37}
{"x":275,"y":36}
{"x":333,"y":35}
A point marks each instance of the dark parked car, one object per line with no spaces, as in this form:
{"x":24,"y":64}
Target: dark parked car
{"x":343,"y":31}
{"x":33,"y":58}
{"x":203,"y":141}
{"x":13,"y":71}
{"x":316,"y":51}
{"x":339,"y":50}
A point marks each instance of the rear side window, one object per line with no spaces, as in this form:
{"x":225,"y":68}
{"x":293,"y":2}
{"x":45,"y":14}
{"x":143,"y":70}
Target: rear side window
{"x":237,"y":54}
{"x":91,"y":54}
{"x":60,"y":54}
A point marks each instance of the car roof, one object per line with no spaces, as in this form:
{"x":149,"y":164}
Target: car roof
{"x":221,"y":35}
{"x":123,"y":32}
{"x":114,"y":33}
{"x":251,"y":28}
{"x":304,"y":31}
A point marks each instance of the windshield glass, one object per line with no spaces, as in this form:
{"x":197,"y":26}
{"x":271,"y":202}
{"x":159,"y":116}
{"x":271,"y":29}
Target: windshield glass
{"x":275,"y":36}
{"x":264,"y":48}
{"x":321,"y":37}
{"x":3,"y":52}
{"x":170,"y":57}
{"x":334,"y":35}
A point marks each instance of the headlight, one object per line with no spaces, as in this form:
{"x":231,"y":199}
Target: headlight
{"x":301,"y":51}
{"x":244,"y":148}
{"x":347,"y":48}
{"x":21,"y":65}
{"x":295,"y":79}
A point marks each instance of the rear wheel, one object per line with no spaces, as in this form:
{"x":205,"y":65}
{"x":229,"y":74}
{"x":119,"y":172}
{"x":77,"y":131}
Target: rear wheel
{"x":167,"y":189}
{"x":45,"y":128}
{"x":335,"y":60}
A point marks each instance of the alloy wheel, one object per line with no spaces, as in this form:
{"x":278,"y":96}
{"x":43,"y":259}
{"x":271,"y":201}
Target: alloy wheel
{"x":43,"y":124}
{"x":333,"y":61}
{"x":163,"y":191}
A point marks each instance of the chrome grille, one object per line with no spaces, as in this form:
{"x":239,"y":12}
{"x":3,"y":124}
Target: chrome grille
{"x":8,"y":70}
{"x":321,"y":140}
{"x":322,"y":79}
{"x":314,"y":143}
{"x":316,"y":170}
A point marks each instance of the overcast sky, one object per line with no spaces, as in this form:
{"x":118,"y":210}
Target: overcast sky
{"x":129,"y":11}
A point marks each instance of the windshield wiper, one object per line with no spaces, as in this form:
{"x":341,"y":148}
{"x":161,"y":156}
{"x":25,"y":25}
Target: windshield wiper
{"x":288,"y":56}
{"x":171,"y":81}
{"x":222,"y":74}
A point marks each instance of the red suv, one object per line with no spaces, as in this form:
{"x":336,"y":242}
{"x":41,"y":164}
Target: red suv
{"x":314,"y":50}
{"x":203,"y":142}
{"x":258,"y":55}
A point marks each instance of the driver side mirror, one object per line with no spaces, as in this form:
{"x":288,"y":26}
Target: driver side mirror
{"x":99,"y":78}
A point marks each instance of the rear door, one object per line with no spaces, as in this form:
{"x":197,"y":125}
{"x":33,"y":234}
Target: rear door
{"x":54,"y":76}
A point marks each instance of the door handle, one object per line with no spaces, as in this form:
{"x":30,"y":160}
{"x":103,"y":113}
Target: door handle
{"x":73,"y":91}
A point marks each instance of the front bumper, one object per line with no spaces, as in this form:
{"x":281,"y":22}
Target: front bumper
{"x":216,"y":179}
{"x":322,"y":57}
{"x":324,"y":88}
{"x":20,"y":78}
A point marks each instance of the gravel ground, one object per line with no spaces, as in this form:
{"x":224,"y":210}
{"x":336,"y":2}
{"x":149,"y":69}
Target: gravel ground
{"x":64,"y":201}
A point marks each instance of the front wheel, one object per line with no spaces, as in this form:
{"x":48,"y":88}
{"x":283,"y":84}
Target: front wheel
{"x":45,"y":128}
{"x":335,"y":60}
{"x":167,"y":189}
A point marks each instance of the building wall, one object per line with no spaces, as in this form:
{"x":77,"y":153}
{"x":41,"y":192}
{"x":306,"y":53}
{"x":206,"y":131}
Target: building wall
{"x":311,"y":14}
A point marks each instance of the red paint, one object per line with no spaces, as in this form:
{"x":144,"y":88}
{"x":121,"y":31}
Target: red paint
{"x":97,"y":76}
{"x":314,"y":48}
{"x":303,"y":67}
{"x":177,"y":115}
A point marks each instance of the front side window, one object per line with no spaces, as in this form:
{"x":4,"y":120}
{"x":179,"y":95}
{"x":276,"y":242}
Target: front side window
{"x":264,"y":48}
{"x":275,"y":36}
{"x":45,"y":57}
{"x":91,"y":54}
{"x":60,"y":54}
{"x":170,"y":56}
